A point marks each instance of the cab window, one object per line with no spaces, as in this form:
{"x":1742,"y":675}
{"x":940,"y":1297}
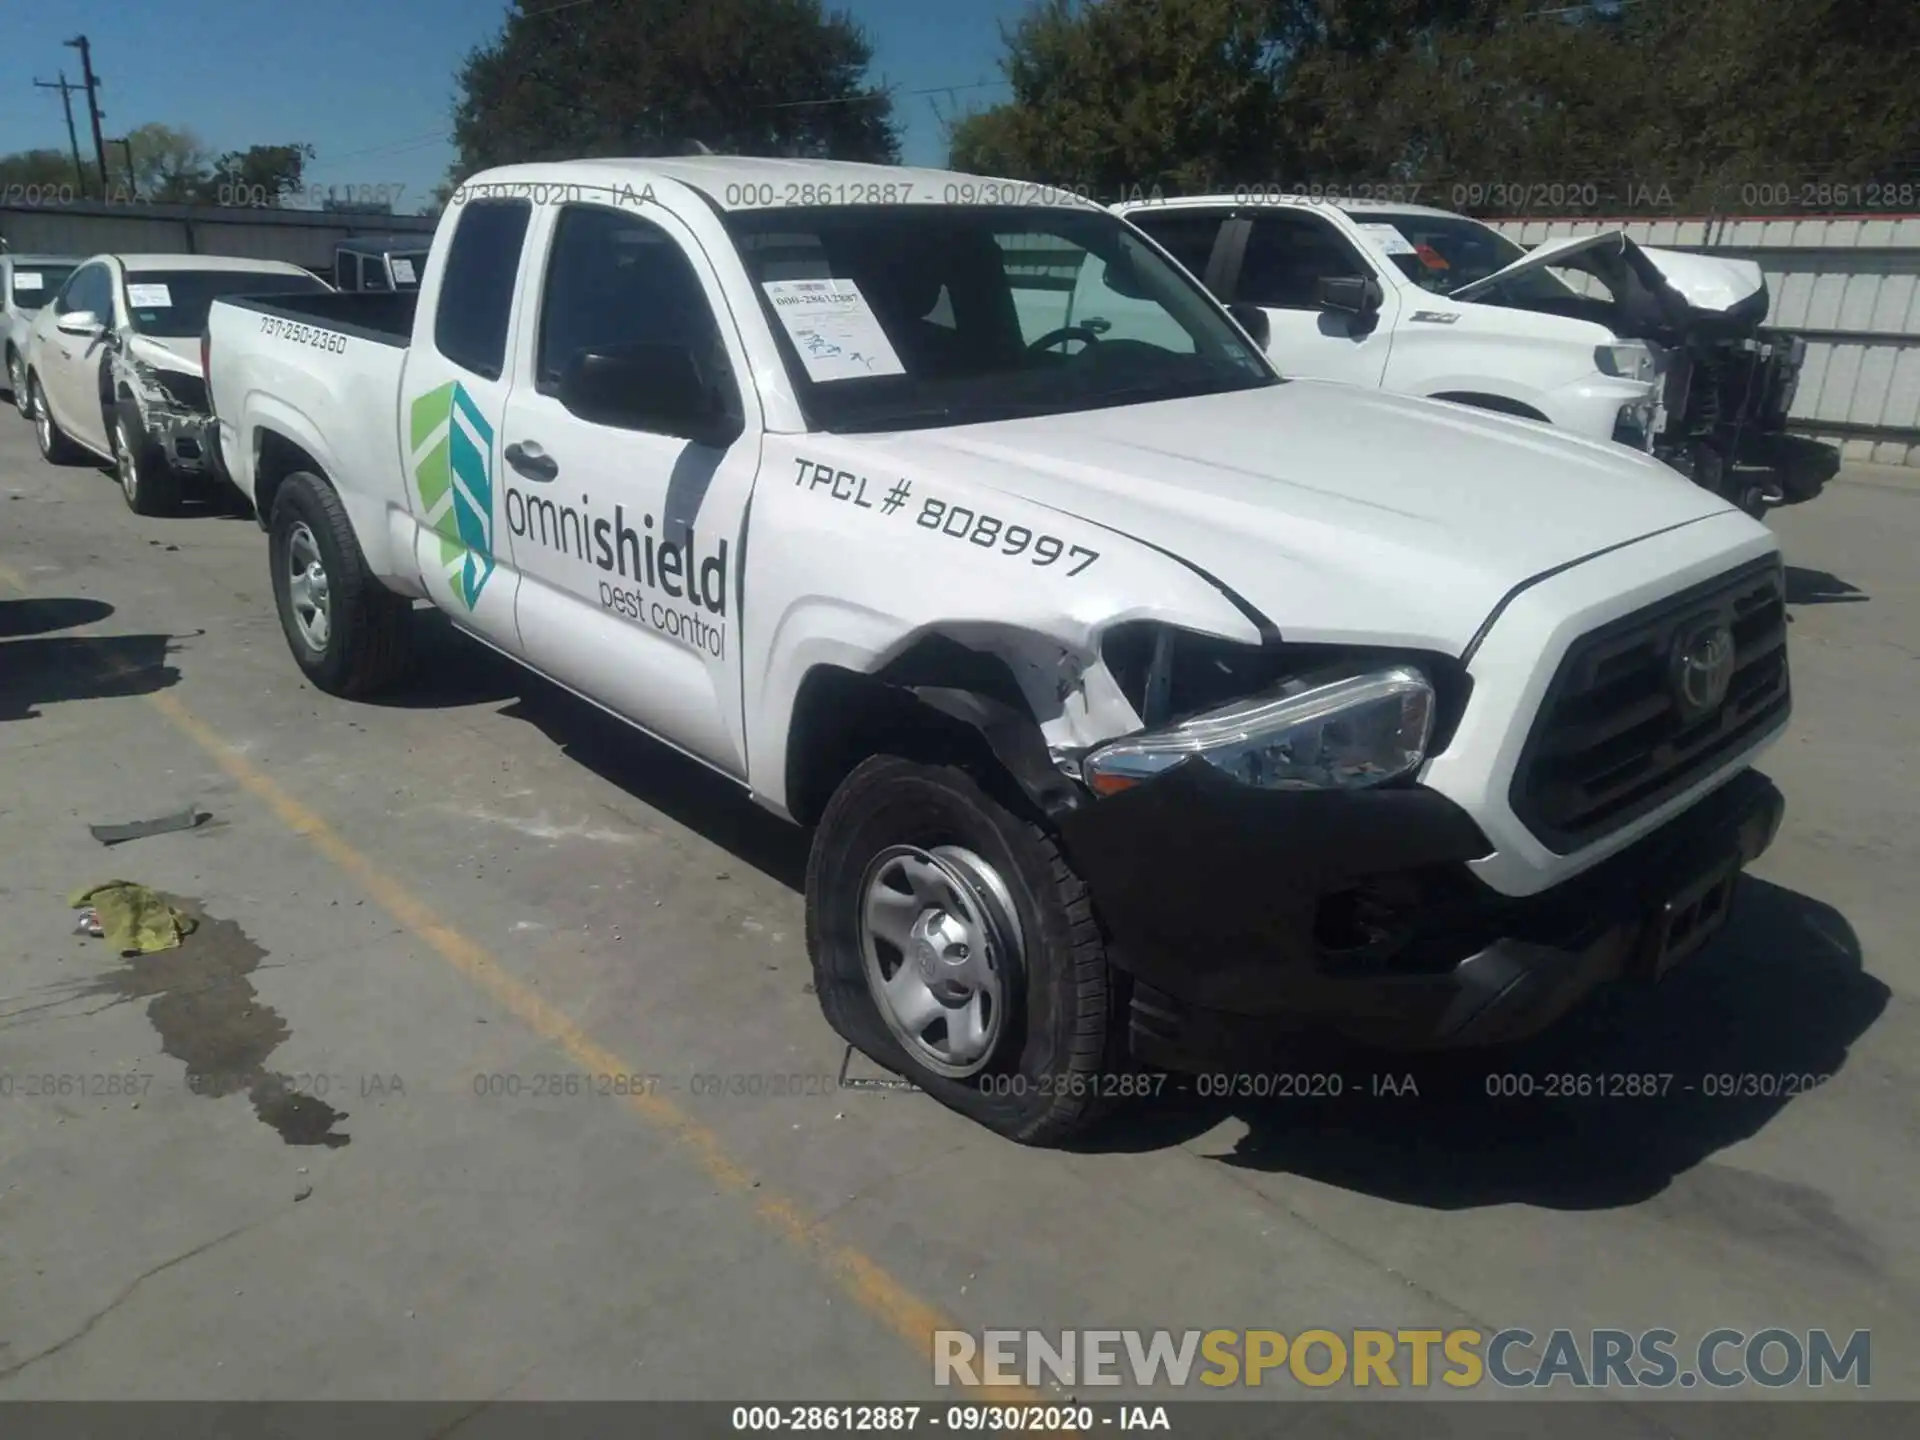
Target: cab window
{"x":1184,"y":234}
{"x":614,"y":280}
{"x":1286,"y":257}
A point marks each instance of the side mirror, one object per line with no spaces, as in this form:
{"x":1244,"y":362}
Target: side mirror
{"x":1253,"y":320}
{"x":79,"y":322}
{"x":656,"y":388}
{"x":1349,"y":294}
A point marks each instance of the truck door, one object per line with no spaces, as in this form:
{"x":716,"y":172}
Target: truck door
{"x":453,"y":395}
{"x":628,"y":541}
{"x":1286,"y":253}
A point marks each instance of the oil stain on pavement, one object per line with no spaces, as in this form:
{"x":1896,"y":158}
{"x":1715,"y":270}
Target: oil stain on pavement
{"x":212,"y":1020}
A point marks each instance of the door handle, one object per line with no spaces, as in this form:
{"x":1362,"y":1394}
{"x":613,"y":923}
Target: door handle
{"x":530,"y":460}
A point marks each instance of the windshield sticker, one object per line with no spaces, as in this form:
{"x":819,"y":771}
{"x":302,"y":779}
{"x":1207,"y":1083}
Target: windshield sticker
{"x":403,"y":271}
{"x":956,"y":522}
{"x":1431,"y":258}
{"x":28,"y":280}
{"x":149,"y":297}
{"x":1387,"y":237}
{"x":833,"y":328}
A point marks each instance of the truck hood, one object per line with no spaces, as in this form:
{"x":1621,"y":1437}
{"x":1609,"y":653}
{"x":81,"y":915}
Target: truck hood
{"x":1340,"y":515}
{"x":1653,"y":290}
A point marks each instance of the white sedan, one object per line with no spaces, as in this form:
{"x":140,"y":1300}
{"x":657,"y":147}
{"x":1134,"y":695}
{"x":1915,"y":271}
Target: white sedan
{"x":114,"y":367}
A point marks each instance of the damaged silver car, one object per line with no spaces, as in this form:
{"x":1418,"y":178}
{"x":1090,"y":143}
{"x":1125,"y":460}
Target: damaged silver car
{"x":114,"y":367}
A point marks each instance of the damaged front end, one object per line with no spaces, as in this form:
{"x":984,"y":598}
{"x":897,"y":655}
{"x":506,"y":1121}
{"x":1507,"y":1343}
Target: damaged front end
{"x":1272,"y":865}
{"x":169,"y":410}
{"x":1725,"y":383}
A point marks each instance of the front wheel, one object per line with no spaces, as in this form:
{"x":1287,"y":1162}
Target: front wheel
{"x":348,"y":633}
{"x":17,"y":382}
{"x":151,"y":486}
{"x":55,"y":447}
{"x":953,"y":943}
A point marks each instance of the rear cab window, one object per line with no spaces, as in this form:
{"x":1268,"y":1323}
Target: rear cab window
{"x":475,"y":303}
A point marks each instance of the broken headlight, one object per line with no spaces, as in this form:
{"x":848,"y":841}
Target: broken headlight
{"x":1333,"y":729}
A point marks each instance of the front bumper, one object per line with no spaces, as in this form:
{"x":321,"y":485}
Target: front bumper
{"x":185,"y":441}
{"x":1240,"y":913}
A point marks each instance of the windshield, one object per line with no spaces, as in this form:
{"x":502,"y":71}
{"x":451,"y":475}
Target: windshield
{"x":910,"y":317}
{"x":1441,"y":253}
{"x":173,"y":304}
{"x":33,"y":285}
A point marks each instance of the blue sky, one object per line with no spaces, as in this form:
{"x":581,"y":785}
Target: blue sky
{"x":369,"y":83}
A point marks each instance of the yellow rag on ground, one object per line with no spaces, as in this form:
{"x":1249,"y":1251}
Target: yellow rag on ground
{"x":134,"y":918}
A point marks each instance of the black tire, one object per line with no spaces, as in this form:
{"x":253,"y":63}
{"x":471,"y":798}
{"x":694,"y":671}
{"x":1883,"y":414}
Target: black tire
{"x":1042,"y":1081}
{"x":369,"y":645}
{"x":17,"y":382}
{"x":148,"y":484}
{"x":55,"y":447}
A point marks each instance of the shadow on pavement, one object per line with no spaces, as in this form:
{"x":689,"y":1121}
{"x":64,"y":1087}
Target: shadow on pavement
{"x":1818,"y":587}
{"x":38,"y":616}
{"x":1728,"y":1040}
{"x":657,"y":775}
{"x":52,"y":670}
{"x":453,"y":669}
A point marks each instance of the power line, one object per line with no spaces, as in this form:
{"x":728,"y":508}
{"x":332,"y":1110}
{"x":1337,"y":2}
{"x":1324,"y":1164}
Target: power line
{"x":66,"y":90}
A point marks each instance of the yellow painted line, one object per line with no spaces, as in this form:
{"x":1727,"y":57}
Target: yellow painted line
{"x":865,"y":1280}
{"x":12,"y":578}
{"x":861,"y":1277}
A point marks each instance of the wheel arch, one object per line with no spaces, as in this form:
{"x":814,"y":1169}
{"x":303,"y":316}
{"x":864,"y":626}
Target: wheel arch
{"x":938,"y":700}
{"x":1498,"y":404}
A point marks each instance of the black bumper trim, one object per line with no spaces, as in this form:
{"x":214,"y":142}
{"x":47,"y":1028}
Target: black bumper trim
{"x":1216,"y":926}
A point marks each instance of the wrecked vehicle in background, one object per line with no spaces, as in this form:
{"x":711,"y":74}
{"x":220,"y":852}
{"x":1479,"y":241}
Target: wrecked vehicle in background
{"x":1669,"y":357}
{"x":114,"y":365}
{"x":26,"y":283}
{"x":380,"y":262}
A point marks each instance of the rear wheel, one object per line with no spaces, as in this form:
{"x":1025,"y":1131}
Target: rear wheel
{"x":151,"y":486}
{"x":348,"y":633}
{"x":55,"y":447}
{"x":952,"y":942}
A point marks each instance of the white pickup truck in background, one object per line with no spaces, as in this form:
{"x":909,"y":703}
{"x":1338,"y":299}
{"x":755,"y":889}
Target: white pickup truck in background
{"x":1144,"y":704}
{"x":1662,"y":350}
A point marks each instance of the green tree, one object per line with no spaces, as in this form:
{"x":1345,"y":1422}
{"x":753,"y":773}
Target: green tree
{"x":258,"y":175}
{"x":1128,"y":94}
{"x":640,"y":77}
{"x":169,"y":164}
{"x":1693,"y":99}
{"x":37,"y":170}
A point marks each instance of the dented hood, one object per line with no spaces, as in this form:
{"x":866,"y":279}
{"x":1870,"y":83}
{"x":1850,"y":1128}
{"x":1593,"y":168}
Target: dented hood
{"x":1340,"y":514}
{"x":1675,"y":288}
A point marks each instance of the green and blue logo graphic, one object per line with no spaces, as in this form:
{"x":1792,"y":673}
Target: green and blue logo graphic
{"x":452,"y":454}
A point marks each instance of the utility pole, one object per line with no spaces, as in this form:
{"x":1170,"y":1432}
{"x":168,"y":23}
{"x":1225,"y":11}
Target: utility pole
{"x":92,"y":82}
{"x":73,"y":139}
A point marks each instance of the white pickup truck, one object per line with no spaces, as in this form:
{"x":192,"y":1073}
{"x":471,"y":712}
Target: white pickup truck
{"x":1663,"y":350}
{"x":1143,"y":704}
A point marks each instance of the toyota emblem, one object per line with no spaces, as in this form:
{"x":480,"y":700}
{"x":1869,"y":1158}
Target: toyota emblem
{"x":1703,"y":660}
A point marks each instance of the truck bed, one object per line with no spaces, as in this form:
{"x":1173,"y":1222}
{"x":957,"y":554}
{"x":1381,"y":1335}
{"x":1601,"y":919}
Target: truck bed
{"x":385,"y":316}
